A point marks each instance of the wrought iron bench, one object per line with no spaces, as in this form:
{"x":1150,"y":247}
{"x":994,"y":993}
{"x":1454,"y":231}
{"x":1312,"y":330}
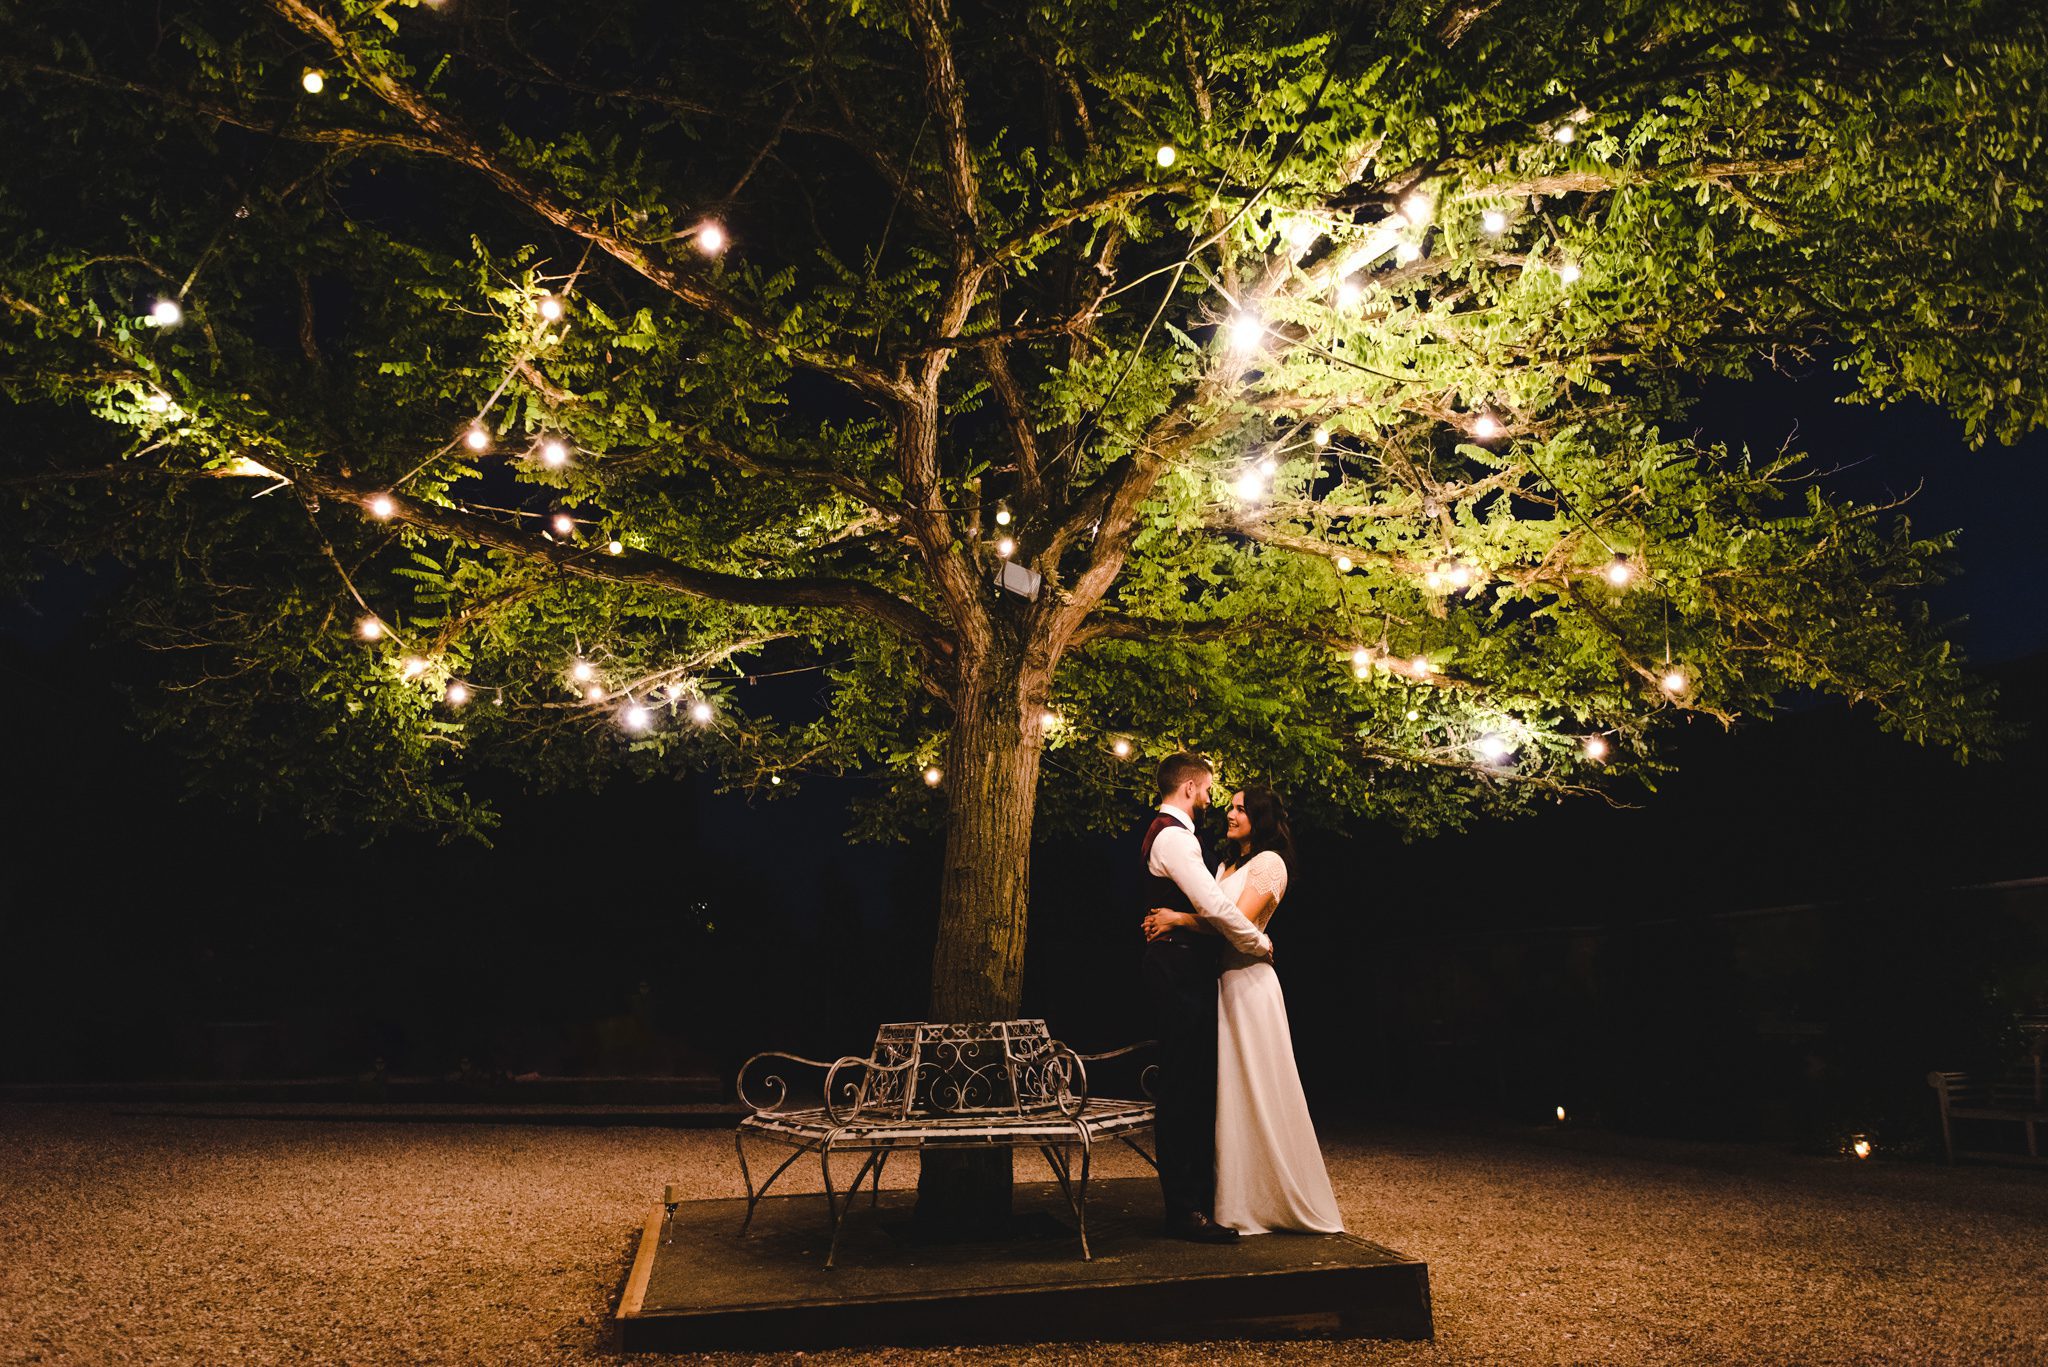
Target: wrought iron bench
{"x":993,"y":1084}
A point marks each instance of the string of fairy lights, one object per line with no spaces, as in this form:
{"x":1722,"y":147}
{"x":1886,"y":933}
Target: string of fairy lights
{"x":638,"y":704}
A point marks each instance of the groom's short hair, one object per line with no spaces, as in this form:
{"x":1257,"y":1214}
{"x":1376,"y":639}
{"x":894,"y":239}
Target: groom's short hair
{"x":1177,"y":769}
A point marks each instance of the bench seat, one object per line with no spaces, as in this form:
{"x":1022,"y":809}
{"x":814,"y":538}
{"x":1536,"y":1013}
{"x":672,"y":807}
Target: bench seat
{"x":1099,"y":1118}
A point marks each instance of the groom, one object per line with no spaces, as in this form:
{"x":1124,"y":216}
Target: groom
{"x":1179,"y":973}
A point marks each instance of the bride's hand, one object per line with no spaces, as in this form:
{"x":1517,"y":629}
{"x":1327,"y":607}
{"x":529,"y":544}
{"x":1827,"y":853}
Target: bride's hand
{"x":1163,"y":919}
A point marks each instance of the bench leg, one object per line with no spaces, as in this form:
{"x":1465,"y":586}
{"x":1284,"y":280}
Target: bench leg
{"x":875,"y":1187}
{"x":1948,"y":1138}
{"x":753,"y":1196}
{"x":832,"y":1204}
{"x":1081,"y":1198}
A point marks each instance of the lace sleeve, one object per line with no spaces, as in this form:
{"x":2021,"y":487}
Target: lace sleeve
{"x":1266,"y":874}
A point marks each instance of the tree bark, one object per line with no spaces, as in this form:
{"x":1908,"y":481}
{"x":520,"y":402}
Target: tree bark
{"x":991,"y":781}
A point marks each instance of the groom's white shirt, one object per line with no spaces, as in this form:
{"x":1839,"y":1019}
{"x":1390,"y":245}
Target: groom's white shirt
{"x":1177,"y":854}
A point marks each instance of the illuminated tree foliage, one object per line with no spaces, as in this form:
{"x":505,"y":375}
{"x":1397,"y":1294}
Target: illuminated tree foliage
{"x":571,"y":390}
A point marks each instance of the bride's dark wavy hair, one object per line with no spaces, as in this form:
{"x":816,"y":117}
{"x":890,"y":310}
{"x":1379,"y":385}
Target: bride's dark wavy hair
{"x":1270,"y":828}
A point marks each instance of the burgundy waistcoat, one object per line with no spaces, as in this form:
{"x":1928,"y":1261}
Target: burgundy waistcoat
{"x":1161,"y":891}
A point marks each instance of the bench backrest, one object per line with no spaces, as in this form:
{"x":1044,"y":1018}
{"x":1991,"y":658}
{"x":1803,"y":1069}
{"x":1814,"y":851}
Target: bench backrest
{"x":976,"y":1068}
{"x":2021,"y":1087}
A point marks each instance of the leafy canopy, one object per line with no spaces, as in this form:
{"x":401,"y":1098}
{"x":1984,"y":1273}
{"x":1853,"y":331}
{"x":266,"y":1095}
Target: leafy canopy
{"x":1323,"y":363}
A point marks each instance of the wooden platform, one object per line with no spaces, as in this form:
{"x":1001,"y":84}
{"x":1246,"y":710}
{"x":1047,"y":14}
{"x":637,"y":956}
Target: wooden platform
{"x":709,"y":1288}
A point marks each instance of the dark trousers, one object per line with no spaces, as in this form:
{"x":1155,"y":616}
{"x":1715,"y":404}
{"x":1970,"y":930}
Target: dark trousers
{"x":1180,"y":989}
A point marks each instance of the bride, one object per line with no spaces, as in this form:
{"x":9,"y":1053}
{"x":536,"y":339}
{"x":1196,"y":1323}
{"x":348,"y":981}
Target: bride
{"x":1269,"y":1170}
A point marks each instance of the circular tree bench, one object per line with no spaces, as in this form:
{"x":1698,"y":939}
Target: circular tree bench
{"x":979,"y":1085}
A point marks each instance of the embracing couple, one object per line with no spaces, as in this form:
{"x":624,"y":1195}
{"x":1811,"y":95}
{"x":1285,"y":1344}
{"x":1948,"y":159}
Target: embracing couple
{"x":1237,"y":1151}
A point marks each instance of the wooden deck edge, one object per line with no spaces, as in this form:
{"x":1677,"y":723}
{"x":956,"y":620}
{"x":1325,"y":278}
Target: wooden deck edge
{"x":635,"y":1295}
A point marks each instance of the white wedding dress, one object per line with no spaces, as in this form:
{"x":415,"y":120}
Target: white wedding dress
{"x":1269,"y":1170}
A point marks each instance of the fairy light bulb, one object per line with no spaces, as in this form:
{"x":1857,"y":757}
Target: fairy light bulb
{"x":1417,"y":208}
{"x":1048,"y":720}
{"x":594,"y":693}
{"x":775,"y":780}
{"x":1486,"y":427}
{"x":1166,"y":155}
{"x":1421,"y":666}
{"x":582,"y":671}
{"x":676,"y":691}
{"x":1407,"y":253}
{"x":314,"y":80}
{"x":1414,"y":715}
{"x":476,"y":439}
{"x":711,"y":238}
{"x":166,"y":313}
{"x":383,"y":507}
{"x":1569,"y":272}
{"x":1006,"y":548}
{"x":636,"y":717}
{"x":1619,"y":571}
{"x":1494,"y":222}
{"x":933,"y":776}
{"x":1002,"y":517}
{"x":1491,"y":748}
{"x":549,"y":308}
{"x":1343,"y":564}
{"x":456,"y":694}
{"x":1302,"y":233}
{"x":1121,"y":748}
{"x":1433,"y":580}
{"x":1566,"y":133}
{"x":412,"y":667}
{"x":1244,"y":331}
{"x":554,"y":454}
{"x":1674,"y":681}
{"x":1321,"y":436}
{"x":1596,"y":748}
{"x":700,"y":713}
{"x":1349,"y":293}
{"x":562,"y":523}
{"x":1361,"y":658}
{"x":370,"y":629}
{"x":1459,"y":576}
{"x":615,"y":547}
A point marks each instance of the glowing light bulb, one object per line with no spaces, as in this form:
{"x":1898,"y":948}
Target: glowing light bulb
{"x":1321,"y":436}
{"x":1244,"y":331}
{"x":382,"y":506}
{"x":1302,"y":233}
{"x":582,"y":671}
{"x":1565,"y":132}
{"x":1166,"y":155}
{"x":1417,"y":208}
{"x":1120,"y":748}
{"x":1002,"y":517}
{"x":1596,"y":748}
{"x":553,"y":453}
{"x":166,"y":313}
{"x":711,"y":239}
{"x":636,"y":717}
{"x":549,"y":308}
{"x":314,"y":80}
{"x":1407,"y":252}
{"x":594,"y":693}
{"x":675,"y":691}
{"x":1421,"y":666}
{"x":1491,"y":748}
{"x":156,"y":401}
{"x":1413,"y":715}
{"x":1459,"y":576}
{"x":370,"y":629}
{"x":563,"y":524}
{"x":615,"y":547}
{"x":1861,"y":1148}
{"x":1674,"y":681}
{"x":1249,"y":485}
{"x":1619,"y":571}
{"x":1006,"y":548}
{"x":701,"y":713}
{"x":1349,"y":293}
{"x":1048,"y":720}
{"x":476,"y":439}
{"x":1361,"y":671}
{"x":1361,"y":657}
{"x":1494,"y":222}
{"x":933,"y":776}
{"x":1486,"y":427}
{"x":1569,"y":272}
{"x":1343,"y":564}
{"x":456,"y":694}
{"x":775,"y":779}
{"x":412,"y":667}
{"x":1433,"y":580}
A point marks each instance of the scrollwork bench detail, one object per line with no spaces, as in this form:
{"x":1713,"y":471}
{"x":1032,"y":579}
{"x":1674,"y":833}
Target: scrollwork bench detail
{"x":980,"y":1085}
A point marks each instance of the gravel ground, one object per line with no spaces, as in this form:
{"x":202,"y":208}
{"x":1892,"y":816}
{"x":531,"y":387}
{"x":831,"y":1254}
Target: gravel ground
{"x":156,"y":1238}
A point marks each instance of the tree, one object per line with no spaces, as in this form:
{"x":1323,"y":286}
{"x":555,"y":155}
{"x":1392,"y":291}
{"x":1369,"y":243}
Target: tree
{"x":505,"y":388}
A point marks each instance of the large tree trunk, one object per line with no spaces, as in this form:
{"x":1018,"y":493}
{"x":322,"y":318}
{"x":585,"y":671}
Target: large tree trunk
{"x":991,"y":781}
